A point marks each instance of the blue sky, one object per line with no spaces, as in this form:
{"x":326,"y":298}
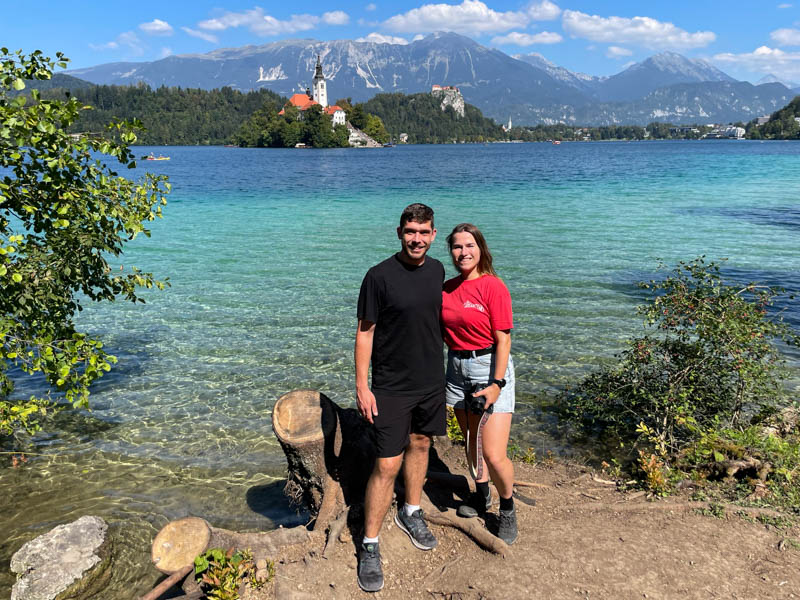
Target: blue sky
{"x":747,"y":39}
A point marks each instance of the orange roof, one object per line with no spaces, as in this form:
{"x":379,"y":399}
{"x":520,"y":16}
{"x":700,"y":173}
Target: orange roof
{"x":332,"y":109}
{"x":302,"y":101}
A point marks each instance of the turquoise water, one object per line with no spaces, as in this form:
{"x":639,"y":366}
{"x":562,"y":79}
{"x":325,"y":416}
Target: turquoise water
{"x":265,"y":250}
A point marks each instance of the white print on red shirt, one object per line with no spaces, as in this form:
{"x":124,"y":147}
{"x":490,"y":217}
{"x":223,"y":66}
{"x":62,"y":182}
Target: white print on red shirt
{"x":468,"y":304}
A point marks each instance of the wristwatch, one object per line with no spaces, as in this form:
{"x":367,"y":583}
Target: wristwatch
{"x":501,"y":383}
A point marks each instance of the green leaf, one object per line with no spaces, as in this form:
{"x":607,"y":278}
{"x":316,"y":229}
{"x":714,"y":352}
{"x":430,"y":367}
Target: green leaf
{"x":19,"y":84}
{"x":718,"y":456}
{"x":16,"y":277}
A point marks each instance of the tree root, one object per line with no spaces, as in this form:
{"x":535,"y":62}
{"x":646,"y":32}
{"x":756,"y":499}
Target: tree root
{"x":472,"y":527}
{"x":335,"y":530}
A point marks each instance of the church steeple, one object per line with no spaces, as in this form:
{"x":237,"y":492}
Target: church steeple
{"x":319,"y":87}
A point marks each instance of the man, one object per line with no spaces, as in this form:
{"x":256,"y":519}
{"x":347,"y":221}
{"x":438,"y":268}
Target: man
{"x":399,"y":332}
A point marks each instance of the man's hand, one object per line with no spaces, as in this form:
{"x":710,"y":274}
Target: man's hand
{"x":365,"y":399}
{"x":367,"y":405}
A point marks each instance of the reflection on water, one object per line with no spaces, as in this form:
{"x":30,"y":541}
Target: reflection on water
{"x":265,"y":251}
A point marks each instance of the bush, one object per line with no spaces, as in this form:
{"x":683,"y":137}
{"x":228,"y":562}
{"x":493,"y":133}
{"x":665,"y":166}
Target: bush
{"x":711,"y":360}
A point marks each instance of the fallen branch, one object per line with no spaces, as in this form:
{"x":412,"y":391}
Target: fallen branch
{"x":682,"y":506}
{"x":169,"y":582}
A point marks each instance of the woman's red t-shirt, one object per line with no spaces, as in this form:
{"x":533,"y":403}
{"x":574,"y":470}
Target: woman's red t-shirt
{"x":473,"y":310}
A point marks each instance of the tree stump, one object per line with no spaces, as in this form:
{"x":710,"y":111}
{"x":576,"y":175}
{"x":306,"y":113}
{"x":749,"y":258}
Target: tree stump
{"x":329,"y":450}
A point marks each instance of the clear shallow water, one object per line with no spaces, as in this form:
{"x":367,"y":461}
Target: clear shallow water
{"x":265,"y":250}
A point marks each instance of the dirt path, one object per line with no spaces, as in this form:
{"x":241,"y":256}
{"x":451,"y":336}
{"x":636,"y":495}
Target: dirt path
{"x":583,"y":539}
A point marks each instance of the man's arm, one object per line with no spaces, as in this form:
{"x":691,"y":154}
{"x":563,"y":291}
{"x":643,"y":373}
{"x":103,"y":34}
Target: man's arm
{"x":365,"y":399}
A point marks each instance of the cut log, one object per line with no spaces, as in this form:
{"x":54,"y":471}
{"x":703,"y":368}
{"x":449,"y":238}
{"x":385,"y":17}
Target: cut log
{"x":178,"y":543}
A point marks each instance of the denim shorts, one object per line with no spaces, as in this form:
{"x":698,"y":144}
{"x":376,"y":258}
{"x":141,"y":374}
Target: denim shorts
{"x":462,"y":373}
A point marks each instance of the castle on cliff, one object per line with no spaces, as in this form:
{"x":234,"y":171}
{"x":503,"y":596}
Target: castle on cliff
{"x":451,"y":96}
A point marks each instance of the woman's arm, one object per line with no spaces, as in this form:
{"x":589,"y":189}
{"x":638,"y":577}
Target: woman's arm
{"x":502,"y":349}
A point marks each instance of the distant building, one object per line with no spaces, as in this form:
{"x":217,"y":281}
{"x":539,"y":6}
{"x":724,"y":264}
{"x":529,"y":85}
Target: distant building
{"x":762,"y":120}
{"x":450,"y":96}
{"x":319,"y":96}
{"x":319,"y":87}
{"x":403,"y":138}
{"x":507,"y":127}
{"x":726,"y":132}
{"x":683,"y":130}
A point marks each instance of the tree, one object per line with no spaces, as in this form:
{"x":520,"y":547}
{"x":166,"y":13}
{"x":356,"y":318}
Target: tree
{"x":63,"y":214}
{"x":358,"y":116}
{"x":376,"y":130}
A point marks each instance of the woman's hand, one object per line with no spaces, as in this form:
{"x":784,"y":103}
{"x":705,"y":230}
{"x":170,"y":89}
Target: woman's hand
{"x":489,"y":394}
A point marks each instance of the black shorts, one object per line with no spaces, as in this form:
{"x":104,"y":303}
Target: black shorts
{"x":399,"y":416}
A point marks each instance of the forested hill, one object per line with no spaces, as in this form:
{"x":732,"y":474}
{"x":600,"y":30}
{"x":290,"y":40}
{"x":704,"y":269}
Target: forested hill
{"x":171,"y":116}
{"x":781,"y":125}
{"x":422,"y":118}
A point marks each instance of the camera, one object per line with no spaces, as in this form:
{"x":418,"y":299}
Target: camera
{"x":476,"y":405}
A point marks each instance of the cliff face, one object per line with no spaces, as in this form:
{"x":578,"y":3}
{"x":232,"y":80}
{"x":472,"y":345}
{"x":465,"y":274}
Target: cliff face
{"x":451,"y":97}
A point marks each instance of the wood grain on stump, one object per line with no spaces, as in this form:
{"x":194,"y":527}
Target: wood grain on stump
{"x":178,"y":543}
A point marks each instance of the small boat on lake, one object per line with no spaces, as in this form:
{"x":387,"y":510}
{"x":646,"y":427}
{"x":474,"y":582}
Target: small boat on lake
{"x":159,"y":157}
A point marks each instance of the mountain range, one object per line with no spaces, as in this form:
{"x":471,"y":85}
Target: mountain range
{"x":529,"y":89}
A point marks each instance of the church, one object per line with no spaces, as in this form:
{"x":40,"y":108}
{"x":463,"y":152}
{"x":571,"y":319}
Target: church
{"x":318,"y":94}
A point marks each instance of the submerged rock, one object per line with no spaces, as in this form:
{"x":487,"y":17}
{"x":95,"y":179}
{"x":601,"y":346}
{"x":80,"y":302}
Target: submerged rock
{"x":70,"y":561}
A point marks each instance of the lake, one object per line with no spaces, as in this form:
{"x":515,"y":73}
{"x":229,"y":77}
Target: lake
{"x":265,"y":251}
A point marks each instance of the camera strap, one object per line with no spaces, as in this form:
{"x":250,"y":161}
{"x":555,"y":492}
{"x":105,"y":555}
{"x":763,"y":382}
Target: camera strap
{"x":476,"y":469}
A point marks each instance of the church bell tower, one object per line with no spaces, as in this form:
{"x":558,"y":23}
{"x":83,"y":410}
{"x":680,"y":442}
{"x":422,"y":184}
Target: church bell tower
{"x":320,"y":88}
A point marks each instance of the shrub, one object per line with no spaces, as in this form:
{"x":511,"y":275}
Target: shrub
{"x":710,"y":359}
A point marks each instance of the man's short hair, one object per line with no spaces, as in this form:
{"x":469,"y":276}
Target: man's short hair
{"x":417,"y":212}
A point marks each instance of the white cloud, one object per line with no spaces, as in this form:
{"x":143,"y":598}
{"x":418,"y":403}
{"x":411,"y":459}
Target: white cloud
{"x":165,"y":52}
{"x":156,"y":27}
{"x":418,"y":37}
{"x":209,"y":37}
{"x":257,"y":22}
{"x":127,"y":39}
{"x":543,"y":11}
{"x":370,"y":7}
{"x":527,"y":39}
{"x":336,"y":17}
{"x":471,"y":16}
{"x":617,"y":52}
{"x":379,"y":38}
{"x":641,"y":31}
{"x":786,"y":37}
{"x":785,"y":5}
{"x":784,"y":65}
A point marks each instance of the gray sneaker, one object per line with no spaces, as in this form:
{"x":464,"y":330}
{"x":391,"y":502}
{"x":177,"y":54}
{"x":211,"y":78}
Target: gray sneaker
{"x":416,"y":529}
{"x":507,"y":530}
{"x":370,"y":570}
{"x":475,"y":505}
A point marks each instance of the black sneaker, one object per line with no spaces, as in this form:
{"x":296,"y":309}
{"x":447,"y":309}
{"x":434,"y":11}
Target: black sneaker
{"x":475,"y":505}
{"x":416,"y":529}
{"x":370,"y":570}
{"x":507,"y":529}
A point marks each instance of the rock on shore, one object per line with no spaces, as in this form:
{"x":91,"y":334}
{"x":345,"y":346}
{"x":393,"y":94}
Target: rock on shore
{"x":70,"y":561}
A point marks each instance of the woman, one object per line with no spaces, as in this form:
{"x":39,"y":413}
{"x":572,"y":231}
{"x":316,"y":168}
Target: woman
{"x":477,"y":322}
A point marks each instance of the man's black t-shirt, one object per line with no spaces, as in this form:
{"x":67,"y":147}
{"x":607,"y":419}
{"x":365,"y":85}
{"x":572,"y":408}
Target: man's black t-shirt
{"x":404,"y":302}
